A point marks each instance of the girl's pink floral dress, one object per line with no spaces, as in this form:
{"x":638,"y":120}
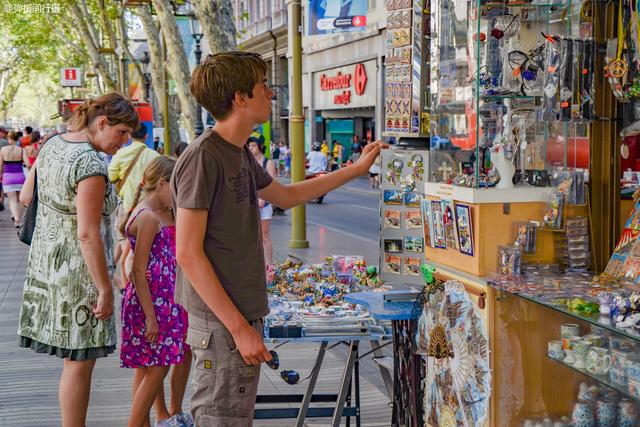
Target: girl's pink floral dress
{"x":169,"y":349}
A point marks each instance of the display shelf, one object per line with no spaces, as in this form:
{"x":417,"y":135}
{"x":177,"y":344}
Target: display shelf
{"x":602,"y":379}
{"x":491,"y":195}
{"x":593,"y":319}
{"x":516,"y":97}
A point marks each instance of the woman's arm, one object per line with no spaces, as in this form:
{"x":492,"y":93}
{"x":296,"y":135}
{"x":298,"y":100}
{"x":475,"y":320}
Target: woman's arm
{"x":145,"y":227}
{"x":89,"y":204}
{"x":26,"y":195}
{"x":25,"y":158}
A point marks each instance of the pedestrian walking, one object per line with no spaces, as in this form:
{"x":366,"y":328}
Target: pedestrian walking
{"x":275,"y":156}
{"x":336,"y":152}
{"x":154,"y":327}
{"x":67,"y":307}
{"x":11,"y":162}
{"x":31,"y":148}
{"x":374,"y":173}
{"x":266,"y":209}
{"x":221,"y":277}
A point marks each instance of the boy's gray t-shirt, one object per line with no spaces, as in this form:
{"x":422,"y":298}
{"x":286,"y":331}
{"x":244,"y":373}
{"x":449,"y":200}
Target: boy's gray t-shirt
{"x":216,"y":175}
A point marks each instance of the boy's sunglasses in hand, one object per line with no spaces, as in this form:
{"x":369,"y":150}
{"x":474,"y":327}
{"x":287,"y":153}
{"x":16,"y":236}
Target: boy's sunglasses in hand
{"x":289,"y":376}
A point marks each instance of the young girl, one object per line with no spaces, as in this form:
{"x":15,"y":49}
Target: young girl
{"x":154,"y":327}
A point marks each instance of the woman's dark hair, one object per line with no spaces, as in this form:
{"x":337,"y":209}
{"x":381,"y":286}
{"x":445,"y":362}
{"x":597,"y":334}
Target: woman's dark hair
{"x":140,"y":132}
{"x":180,"y":148}
{"x":115,"y":107}
{"x":13,"y":135}
{"x":35,"y":137}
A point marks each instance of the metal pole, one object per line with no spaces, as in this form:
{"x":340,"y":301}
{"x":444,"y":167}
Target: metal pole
{"x":165,"y":104}
{"x":296,"y":118}
{"x":199,"y":127}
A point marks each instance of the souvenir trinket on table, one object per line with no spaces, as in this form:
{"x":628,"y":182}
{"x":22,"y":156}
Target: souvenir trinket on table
{"x":458,"y":373}
{"x":438,"y":225}
{"x":465,"y":229}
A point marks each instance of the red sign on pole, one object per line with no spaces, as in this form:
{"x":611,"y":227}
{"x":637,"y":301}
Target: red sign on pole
{"x":70,"y":77}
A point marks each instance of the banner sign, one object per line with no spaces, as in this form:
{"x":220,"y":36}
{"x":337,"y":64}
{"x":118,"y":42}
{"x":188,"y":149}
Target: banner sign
{"x":336,"y":16}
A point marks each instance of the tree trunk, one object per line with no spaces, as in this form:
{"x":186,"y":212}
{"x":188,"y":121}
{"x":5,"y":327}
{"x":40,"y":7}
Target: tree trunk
{"x":177,"y":63}
{"x":83,"y":31}
{"x":218,"y":26}
{"x":155,"y":66}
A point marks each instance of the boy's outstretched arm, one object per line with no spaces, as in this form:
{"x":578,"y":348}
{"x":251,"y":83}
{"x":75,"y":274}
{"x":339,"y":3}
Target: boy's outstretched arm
{"x":288,"y":196}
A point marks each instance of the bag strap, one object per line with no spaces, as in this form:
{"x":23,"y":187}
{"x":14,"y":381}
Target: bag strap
{"x":122,"y":181}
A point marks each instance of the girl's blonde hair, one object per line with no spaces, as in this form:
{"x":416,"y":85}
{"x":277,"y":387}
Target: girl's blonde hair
{"x":160,"y":167}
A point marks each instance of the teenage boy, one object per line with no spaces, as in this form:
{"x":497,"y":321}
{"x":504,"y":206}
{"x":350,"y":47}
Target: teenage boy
{"x":221,"y":279}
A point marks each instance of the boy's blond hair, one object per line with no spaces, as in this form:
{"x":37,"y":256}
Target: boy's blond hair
{"x":214,"y":83}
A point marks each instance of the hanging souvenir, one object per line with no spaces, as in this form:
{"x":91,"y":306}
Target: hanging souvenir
{"x":394,"y":169}
{"x":458,"y":373}
{"x":450,"y":227}
{"x":417,"y":165}
{"x":438,"y":225}
{"x":427,"y":221}
{"x":408,"y":184}
{"x":465,"y":229}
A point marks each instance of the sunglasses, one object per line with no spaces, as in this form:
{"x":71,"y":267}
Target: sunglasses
{"x":289,"y":376}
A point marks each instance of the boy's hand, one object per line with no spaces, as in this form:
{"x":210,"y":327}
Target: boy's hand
{"x":368,"y":156}
{"x":250,"y":345}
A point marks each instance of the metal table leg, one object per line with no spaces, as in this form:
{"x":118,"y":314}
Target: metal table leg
{"x":344,"y":386}
{"x":302,"y":414}
{"x":386,"y":375}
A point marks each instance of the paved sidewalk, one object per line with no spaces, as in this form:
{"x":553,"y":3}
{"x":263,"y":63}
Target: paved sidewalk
{"x":28,"y":381}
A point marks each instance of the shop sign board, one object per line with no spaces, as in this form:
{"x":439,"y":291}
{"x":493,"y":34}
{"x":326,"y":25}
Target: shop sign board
{"x":337,"y":16}
{"x":351,"y":86}
{"x":70,"y":77}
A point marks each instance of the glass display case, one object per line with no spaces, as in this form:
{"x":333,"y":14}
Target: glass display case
{"x":560,"y":360}
{"x":511,"y":91}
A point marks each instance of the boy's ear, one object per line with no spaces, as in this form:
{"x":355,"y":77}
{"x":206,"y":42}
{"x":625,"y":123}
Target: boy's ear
{"x":240,"y":99}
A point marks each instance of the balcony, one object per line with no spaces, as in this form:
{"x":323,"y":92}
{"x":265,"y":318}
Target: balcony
{"x":254,"y":29}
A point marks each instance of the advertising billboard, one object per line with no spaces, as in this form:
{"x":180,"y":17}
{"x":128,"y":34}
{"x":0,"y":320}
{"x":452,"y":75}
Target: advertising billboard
{"x":335,"y":16}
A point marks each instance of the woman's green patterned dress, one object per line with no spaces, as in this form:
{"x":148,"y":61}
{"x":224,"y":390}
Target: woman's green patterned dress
{"x":56,"y":315}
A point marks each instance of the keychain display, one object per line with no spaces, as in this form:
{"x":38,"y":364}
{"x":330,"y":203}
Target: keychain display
{"x":555,"y":210}
{"x":417,"y":165}
{"x":526,"y":236}
{"x":510,"y":261}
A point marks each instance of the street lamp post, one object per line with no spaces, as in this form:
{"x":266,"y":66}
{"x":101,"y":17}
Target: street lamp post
{"x":147,"y":75}
{"x":196,"y":32}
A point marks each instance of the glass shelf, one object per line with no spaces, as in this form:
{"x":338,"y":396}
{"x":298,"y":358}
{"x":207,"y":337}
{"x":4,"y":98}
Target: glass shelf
{"x":522,"y":4}
{"x":522,"y":97}
{"x":602,"y":379}
{"x":594,"y":319}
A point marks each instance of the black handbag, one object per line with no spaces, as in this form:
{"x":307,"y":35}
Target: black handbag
{"x":25,"y":234}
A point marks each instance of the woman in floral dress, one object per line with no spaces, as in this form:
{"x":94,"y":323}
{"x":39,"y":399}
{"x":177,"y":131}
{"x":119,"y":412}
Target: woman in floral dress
{"x":67,"y":308}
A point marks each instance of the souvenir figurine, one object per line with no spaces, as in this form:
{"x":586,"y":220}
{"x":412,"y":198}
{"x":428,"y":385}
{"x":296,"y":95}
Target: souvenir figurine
{"x":582,"y":415}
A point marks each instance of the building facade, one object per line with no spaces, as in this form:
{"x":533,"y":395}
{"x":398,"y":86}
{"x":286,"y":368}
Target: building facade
{"x":342,"y":73}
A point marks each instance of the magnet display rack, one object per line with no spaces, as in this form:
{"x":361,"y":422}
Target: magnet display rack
{"x":407,"y":70}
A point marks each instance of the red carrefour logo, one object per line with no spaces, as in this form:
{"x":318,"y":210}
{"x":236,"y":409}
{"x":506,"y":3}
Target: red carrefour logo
{"x":360,"y":79}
